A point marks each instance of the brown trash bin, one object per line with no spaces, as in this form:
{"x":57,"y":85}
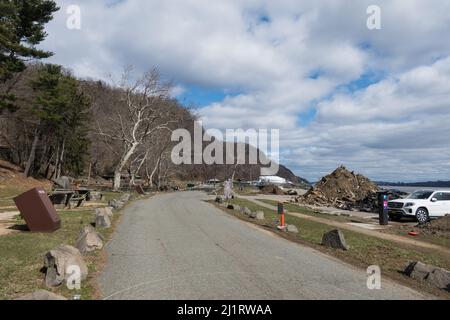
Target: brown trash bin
{"x":139,"y":189}
{"x":38,"y":211}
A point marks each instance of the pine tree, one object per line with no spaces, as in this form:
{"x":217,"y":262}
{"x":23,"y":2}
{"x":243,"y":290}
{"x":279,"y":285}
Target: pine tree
{"x":22,"y":24}
{"x":61,"y":112}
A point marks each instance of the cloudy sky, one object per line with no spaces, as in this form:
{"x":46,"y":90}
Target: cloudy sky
{"x":377,"y":101}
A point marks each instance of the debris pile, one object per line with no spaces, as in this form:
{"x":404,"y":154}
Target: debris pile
{"x":344,"y":190}
{"x":439,"y":227}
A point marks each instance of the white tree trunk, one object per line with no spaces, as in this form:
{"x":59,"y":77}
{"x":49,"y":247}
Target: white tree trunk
{"x":154,"y":171}
{"x":123,"y":161}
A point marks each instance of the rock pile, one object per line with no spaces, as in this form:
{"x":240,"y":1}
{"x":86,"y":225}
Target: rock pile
{"x":439,"y":227}
{"x":344,"y":190}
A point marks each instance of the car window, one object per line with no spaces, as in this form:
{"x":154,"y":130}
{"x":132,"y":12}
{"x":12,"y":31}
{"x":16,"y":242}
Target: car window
{"x":439,"y":196}
{"x":446,"y":196}
{"x":421,"y":195}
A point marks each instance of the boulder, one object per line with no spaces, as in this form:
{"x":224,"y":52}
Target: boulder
{"x":102,"y":219}
{"x":437,"y":277}
{"x":219,"y":200}
{"x":125,"y":198}
{"x":89,"y":240}
{"x":106,"y":211}
{"x":246,"y":211}
{"x":42,"y":295}
{"x":418,"y":270}
{"x":292,"y":228}
{"x":57,"y":261}
{"x":258,"y":215}
{"x":96,"y":196}
{"x":230,"y":206}
{"x":64,"y":183}
{"x":237,"y":208}
{"x":116,"y":204}
{"x":335,"y":239}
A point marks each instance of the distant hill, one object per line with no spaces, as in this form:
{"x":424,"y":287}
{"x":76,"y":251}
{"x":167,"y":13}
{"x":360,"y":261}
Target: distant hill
{"x":249,"y":172}
{"x":290,"y":176}
{"x":431,"y":184}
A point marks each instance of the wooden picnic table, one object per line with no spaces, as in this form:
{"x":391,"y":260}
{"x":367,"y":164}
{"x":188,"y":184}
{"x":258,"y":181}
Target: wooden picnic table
{"x":67,"y":197}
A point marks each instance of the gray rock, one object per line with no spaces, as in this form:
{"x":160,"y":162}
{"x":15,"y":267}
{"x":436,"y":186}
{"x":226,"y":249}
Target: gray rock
{"x":57,"y":262}
{"x":115,"y":204}
{"x":219,"y":200}
{"x":106,"y":211}
{"x":125,"y":198}
{"x":258,"y":215}
{"x":439,"y":278}
{"x":89,"y":240}
{"x":246,"y":211}
{"x":292,"y":228}
{"x":418,"y":270}
{"x":335,"y":239}
{"x":42,"y":295}
{"x":237,"y":207}
{"x":63,"y":183}
{"x":96,"y":196}
{"x":102,"y":219}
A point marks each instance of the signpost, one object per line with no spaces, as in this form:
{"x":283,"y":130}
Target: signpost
{"x":383,"y":208}
{"x":282,"y":225}
{"x":38,"y":211}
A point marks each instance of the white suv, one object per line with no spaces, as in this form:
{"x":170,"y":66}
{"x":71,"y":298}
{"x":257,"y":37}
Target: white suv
{"x":422,"y":204}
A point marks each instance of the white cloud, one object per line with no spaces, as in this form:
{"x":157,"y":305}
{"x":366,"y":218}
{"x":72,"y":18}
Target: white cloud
{"x":283,"y":58}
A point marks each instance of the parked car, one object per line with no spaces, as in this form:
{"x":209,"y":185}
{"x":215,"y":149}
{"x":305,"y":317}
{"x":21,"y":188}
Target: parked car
{"x":422,"y":204}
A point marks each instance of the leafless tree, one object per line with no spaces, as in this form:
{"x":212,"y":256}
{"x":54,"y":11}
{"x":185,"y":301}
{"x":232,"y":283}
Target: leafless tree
{"x":141,"y":114}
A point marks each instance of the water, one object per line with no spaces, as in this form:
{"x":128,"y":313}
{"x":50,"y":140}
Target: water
{"x":412,"y":189}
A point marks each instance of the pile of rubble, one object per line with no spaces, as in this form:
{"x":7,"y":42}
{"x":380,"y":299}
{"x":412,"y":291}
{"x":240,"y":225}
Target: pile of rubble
{"x":344,"y":190}
{"x":439,"y":227}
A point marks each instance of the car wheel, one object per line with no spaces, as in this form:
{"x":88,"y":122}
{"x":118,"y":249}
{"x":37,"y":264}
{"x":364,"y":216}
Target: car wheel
{"x":422,"y":215}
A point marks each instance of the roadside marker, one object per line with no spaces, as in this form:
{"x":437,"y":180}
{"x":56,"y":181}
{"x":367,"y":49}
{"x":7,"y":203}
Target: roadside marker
{"x":282,"y":225}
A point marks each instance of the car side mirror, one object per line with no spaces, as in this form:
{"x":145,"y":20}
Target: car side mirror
{"x":434,"y":200}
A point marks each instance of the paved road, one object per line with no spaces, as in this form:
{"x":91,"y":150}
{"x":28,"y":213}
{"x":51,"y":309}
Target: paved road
{"x":175,"y":246}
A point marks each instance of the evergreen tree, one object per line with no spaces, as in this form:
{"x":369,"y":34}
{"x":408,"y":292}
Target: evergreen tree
{"x":62,"y":113}
{"x":22,"y":25}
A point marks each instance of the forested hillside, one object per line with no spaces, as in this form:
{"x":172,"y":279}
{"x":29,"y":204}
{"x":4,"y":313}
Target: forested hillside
{"x":53,"y":124}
